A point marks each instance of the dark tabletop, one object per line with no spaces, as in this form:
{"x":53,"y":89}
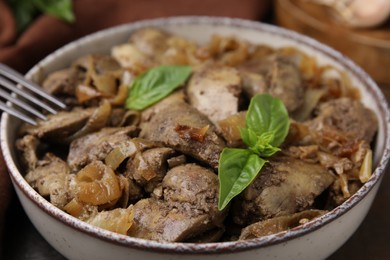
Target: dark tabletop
{"x":370,"y":241}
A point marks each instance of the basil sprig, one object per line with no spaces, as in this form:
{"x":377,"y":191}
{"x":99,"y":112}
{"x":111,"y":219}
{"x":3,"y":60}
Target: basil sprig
{"x":155,"y":84}
{"x":267,"y":125}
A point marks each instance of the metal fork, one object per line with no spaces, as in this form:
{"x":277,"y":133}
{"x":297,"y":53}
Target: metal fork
{"x":16,"y":83}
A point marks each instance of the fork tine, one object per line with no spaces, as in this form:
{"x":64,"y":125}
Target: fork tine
{"x":21,"y":104}
{"x":19,"y":78}
{"x":9,"y":85}
{"x":16,"y":113}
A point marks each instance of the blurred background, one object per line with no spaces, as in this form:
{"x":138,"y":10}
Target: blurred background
{"x":31,"y":29}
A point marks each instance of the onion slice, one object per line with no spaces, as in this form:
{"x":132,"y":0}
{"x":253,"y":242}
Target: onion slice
{"x":97,"y":121}
{"x":366,"y":168}
{"x":120,"y":153}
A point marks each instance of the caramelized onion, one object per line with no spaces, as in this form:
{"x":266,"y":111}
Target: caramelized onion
{"x":120,"y":96}
{"x":298,"y":134}
{"x":80,"y":210}
{"x":344,"y":185}
{"x":98,"y":120}
{"x":366,"y":168}
{"x":279,"y":224}
{"x":97,"y":184}
{"x":311,"y":99}
{"x":128,"y":149}
{"x":339,"y":165}
{"x":117,"y":220}
{"x":193,"y":133}
{"x":225,"y":50}
{"x":307,"y":65}
{"x":337,"y":83}
{"x":179,"y":51}
{"x":124,"y":183}
{"x":131,"y":117}
{"x":230,"y":126}
{"x":101,"y":79}
{"x":105,"y":83}
{"x":74,"y":208}
{"x":120,"y":153}
{"x":86,"y":93}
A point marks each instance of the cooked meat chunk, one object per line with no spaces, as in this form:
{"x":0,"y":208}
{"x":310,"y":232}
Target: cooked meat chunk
{"x":284,"y":186}
{"x":62,"y":82}
{"x":183,"y":128}
{"x":286,"y":83}
{"x":187,"y":209}
{"x":282,"y":79}
{"x":253,"y":83}
{"x":28,"y":145}
{"x":193,"y":187}
{"x":279,"y":224}
{"x":175,"y":97}
{"x":348,"y":116}
{"x":149,"y":167}
{"x":155,"y":220}
{"x":97,"y":145}
{"x":305,"y":152}
{"x":215,"y":91}
{"x":59,"y":126}
{"x":131,"y":58}
{"x":50,"y":178}
{"x":258,"y":67}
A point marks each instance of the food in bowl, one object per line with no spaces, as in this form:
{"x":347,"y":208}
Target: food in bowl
{"x":143,"y":161}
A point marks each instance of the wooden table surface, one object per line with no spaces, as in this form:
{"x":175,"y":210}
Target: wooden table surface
{"x":370,"y":241}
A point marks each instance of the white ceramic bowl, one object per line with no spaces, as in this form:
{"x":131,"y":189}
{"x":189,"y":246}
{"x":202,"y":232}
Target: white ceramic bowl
{"x":314,"y":240}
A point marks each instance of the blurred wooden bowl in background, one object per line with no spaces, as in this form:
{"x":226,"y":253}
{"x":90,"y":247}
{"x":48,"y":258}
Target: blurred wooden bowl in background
{"x":370,"y":48}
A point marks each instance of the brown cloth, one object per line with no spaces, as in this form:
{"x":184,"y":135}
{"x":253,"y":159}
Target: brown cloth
{"x":47,"y":33}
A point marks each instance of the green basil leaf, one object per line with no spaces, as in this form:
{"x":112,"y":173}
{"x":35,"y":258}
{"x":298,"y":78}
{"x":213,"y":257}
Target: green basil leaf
{"x":248,"y":136}
{"x":268,"y":114}
{"x":155,"y":84}
{"x":263,"y":145}
{"x":267,"y":137}
{"x":59,"y":8}
{"x":264,"y":150}
{"x":267,"y":125}
{"x":259,"y":144}
{"x":237,"y":169}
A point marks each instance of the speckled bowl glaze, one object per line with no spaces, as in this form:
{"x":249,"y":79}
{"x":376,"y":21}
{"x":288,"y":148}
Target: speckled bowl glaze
{"x":314,"y":240}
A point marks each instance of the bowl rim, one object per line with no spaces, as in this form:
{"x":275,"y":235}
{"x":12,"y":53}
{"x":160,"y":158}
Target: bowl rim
{"x":217,"y":247}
